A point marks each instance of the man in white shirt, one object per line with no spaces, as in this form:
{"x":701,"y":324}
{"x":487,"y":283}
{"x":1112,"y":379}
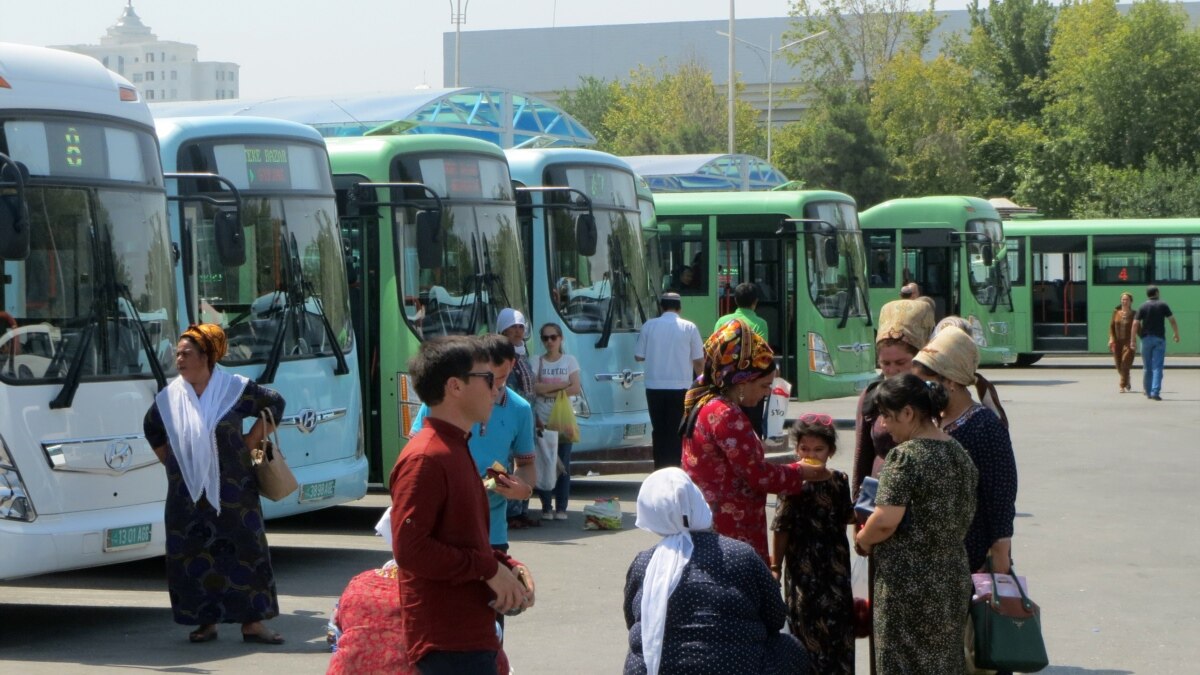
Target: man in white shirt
{"x":674,"y":355}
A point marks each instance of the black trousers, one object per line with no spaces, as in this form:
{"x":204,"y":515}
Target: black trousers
{"x":457,"y":663}
{"x":666,"y":413}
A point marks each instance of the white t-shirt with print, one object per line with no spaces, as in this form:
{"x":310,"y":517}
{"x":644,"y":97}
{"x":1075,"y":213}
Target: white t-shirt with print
{"x":552,"y":372}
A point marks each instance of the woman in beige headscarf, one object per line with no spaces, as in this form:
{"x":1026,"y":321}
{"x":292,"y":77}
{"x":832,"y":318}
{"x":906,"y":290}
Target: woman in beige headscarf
{"x":952,"y":358}
{"x":984,"y":389}
{"x":904,"y":327}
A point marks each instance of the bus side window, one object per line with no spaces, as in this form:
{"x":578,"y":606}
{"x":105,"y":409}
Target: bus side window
{"x":882,"y":248}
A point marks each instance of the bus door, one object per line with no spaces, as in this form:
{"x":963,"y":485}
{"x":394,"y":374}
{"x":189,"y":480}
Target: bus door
{"x":770,"y":263}
{"x":930,"y":259}
{"x":1059,"y":293}
{"x":360,"y":239}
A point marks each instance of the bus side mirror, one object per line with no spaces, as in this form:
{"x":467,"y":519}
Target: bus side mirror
{"x":830,"y":251}
{"x":988,"y":255}
{"x":586,"y":235}
{"x":429,"y":239}
{"x":230,"y":238}
{"x":14,"y":213}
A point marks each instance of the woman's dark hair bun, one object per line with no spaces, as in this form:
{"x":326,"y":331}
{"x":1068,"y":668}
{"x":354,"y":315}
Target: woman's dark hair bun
{"x":927,"y":397}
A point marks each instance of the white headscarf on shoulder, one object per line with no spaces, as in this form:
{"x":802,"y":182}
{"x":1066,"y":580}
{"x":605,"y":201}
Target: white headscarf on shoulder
{"x":191,"y":423}
{"x":671,"y":506}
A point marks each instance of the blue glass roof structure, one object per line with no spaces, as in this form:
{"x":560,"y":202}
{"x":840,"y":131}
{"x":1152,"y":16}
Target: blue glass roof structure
{"x":706,"y":173}
{"x":507,"y":118}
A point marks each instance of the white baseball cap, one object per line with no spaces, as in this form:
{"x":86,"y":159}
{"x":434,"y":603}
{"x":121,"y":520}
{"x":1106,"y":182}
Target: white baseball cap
{"x":508,"y":318}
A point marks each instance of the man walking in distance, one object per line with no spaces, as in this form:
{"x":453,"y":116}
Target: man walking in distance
{"x":1150,"y":322}
{"x":451,"y":582}
{"x":674,"y":355}
{"x":745,"y":296}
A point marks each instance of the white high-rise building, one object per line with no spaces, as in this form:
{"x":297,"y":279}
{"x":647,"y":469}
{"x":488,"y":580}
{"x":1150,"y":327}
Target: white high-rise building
{"x":162,"y":70}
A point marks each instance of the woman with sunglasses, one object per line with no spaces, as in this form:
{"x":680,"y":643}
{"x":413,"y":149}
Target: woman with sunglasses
{"x":556,"y":372}
{"x":810,"y":545}
{"x":721,"y":453}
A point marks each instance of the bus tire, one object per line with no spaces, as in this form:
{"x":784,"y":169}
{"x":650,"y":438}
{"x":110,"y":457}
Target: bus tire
{"x":1026,"y":360}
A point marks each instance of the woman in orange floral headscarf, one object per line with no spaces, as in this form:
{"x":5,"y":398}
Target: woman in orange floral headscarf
{"x":721,"y":453}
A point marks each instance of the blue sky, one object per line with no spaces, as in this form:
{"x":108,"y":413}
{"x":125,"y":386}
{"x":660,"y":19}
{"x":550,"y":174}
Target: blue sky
{"x":347,"y":46}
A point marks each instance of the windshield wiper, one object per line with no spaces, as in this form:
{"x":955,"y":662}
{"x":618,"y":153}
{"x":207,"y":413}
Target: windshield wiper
{"x":341,"y":368}
{"x":143,"y":337}
{"x":616,"y":290}
{"x":66,"y":395}
{"x":497,"y":296}
{"x":477,"y":287}
{"x":268,"y":373}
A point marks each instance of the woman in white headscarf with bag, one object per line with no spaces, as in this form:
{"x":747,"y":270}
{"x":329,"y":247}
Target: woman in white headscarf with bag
{"x":218,"y":565}
{"x":699,"y":602}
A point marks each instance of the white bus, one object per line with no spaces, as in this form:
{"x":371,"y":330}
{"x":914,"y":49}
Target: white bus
{"x":88,"y":323}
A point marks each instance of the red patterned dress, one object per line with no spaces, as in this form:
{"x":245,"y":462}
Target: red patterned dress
{"x":725,"y":459}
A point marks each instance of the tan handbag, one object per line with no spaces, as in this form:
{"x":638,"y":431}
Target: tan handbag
{"x":275,"y":478}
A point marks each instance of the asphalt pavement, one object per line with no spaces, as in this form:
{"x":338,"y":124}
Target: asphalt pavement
{"x":1106,"y":485}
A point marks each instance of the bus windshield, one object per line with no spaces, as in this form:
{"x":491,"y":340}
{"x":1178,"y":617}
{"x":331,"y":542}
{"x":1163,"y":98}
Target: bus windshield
{"x":294,"y":271}
{"x":477,"y":270}
{"x":609,"y":291}
{"x":990,"y":284}
{"x":99,"y":263}
{"x":836,"y":290}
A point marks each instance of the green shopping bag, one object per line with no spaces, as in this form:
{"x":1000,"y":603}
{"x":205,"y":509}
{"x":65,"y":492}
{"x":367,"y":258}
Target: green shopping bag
{"x":562,"y":420}
{"x":1007,"y":631}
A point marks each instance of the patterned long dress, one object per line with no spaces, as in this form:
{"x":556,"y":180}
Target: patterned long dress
{"x":817,"y":580}
{"x":725,"y":459}
{"x":986,"y":440}
{"x":218,"y":565}
{"x":923,"y":584}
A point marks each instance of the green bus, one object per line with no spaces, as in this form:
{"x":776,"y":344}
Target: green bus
{"x":432,"y":248}
{"x":953,"y":248}
{"x":1068,"y":276}
{"x":804,"y":251}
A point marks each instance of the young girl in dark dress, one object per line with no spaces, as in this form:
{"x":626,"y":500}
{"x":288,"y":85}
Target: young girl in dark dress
{"x":810,"y":545}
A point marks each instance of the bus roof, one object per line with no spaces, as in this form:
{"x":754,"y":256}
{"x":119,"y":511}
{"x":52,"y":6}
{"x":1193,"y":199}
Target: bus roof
{"x":175,"y":131}
{"x":372,"y":155}
{"x":51,"y":79}
{"x":1178,"y":226}
{"x":950,"y":209}
{"x":527,"y":165}
{"x":789,"y":202}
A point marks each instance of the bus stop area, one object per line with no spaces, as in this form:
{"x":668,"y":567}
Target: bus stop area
{"x":1102,"y":536}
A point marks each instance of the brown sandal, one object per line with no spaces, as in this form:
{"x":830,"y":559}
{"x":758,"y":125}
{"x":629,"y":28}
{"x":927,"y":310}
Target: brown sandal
{"x":203,"y":634}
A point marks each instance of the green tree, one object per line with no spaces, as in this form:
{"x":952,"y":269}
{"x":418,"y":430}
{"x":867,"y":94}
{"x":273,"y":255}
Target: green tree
{"x":1157,"y":191}
{"x":589,"y":103}
{"x":922,"y":110}
{"x":861,"y":37}
{"x":676,"y":112}
{"x":834,"y":148}
{"x":1009,"y":48}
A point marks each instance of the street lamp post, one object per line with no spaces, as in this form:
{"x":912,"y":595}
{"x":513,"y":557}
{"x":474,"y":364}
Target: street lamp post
{"x":770,"y":51}
{"x":731,"y":90}
{"x":458,"y":16}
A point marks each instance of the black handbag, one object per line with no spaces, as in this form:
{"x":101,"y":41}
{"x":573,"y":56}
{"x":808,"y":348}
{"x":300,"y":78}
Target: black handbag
{"x":1007,"y":632}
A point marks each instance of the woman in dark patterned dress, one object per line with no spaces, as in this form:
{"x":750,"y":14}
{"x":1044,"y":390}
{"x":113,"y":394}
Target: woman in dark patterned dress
{"x":218,"y":564}
{"x":922,"y":581}
{"x":810,"y":544}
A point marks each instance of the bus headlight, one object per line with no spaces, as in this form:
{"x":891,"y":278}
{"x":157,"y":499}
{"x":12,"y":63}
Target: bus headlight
{"x":819,"y":360}
{"x":580,"y":405}
{"x":410,"y":403}
{"x":977,"y":331}
{"x":361,"y":448}
{"x":14,"y":500}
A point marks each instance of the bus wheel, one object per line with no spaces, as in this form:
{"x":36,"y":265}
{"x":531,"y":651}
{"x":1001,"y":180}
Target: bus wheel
{"x":1026,"y":360}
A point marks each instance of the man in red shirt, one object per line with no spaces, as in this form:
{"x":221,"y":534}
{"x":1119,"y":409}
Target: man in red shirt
{"x":451,"y":582}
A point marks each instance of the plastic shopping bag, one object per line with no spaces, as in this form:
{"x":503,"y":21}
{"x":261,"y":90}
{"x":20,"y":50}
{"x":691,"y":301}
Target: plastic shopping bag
{"x":562,"y":420}
{"x":605,"y":514}
{"x":777,"y":404}
{"x":546,"y":459}
{"x":860,"y":588}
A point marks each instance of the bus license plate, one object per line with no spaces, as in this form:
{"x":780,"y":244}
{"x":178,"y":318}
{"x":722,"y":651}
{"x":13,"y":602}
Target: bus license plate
{"x":635,"y":430}
{"x":315,"y":492}
{"x":121,"y":538}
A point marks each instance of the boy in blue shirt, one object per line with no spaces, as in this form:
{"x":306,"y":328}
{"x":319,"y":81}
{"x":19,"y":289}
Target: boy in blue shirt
{"x":507,"y":438}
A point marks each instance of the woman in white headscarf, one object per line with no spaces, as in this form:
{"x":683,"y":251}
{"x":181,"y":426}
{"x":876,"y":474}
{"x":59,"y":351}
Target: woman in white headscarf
{"x":699,"y":602}
{"x":218,"y":564}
